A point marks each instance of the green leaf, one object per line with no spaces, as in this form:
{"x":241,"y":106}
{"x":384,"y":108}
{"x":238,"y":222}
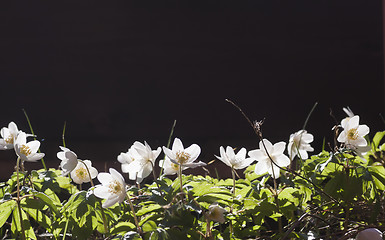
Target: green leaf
{"x":123,"y":227}
{"x":16,"y":226}
{"x":6,"y":209}
{"x":377,"y":139}
{"x":154,"y":207}
{"x":149,"y":226}
{"x":47,"y":200}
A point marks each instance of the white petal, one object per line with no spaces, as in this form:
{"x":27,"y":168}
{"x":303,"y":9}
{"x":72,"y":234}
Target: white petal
{"x":279,"y":148}
{"x":268,"y":145}
{"x":105,"y":178}
{"x":261,"y":167}
{"x":35,"y":157}
{"x":363,"y":130}
{"x":116,"y":175}
{"x":282,"y":160}
{"x":257,"y":154}
{"x":33,"y":145}
{"x":353,"y":122}
{"x":102,"y":191}
{"x":177,"y":145}
{"x":194,"y":150}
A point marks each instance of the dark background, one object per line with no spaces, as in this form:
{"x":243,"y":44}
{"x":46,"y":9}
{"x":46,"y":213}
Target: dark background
{"x":118,"y":72}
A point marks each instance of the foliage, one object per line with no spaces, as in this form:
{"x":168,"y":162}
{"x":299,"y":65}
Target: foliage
{"x":332,"y":194}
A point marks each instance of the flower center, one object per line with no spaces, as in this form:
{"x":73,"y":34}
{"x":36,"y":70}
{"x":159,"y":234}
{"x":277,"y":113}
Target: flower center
{"x":182,"y":157}
{"x":9,"y":139}
{"x":115,"y":187}
{"x":175,"y":166}
{"x":82,"y":173}
{"x":25,"y":150}
{"x":352,"y":134}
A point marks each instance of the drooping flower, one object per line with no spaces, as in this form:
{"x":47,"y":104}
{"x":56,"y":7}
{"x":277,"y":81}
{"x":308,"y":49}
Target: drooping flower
{"x":353,"y":133}
{"x":9,"y":135}
{"x":27,"y":151}
{"x":142,"y":167}
{"x":127,"y":158}
{"x":184,"y":157}
{"x":112,"y":188}
{"x":264,"y":163}
{"x":80,"y":173}
{"x":216,"y":213}
{"x":299,"y":144}
{"x":235,"y":161}
{"x":69,"y":160}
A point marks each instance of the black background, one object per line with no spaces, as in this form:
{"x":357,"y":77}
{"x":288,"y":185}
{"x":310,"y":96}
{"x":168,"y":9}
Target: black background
{"x":118,"y":72}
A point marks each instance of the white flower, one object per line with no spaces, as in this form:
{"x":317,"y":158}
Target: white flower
{"x":236,"y":161}
{"x":215,"y":213}
{"x":8,"y":136}
{"x":80,"y":174}
{"x":112,"y":188}
{"x":353,"y":133}
{"x":299,"y":144}
{"x":169,"y":168}
{"x":369,"y":234}
{"x":69,"y":160}
{"x":27,"y":151}
{"x":127,"y":158}
{"x":264,"y":163}
{"x":142,"y":167}
{"x":184,"y":157}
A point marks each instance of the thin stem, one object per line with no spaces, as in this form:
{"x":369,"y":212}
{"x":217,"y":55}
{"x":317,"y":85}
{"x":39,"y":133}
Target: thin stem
{"x":168,"y":145}
{"x":18,"y":198}
{"x":30,"y":127}
{"x":64,"y":131}
{"x":88,"y":172}
{"x":135,"y":218}
{"x":233,"y":175}
{"x":180,"y":178}
{"x":65,"y":229}
{"x":308,"y":116}
{"x":105,"y":225}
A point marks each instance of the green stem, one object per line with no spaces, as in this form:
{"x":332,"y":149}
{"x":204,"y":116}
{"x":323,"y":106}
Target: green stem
{"x":65,"y":228}
{"x":64,"y":131}
{"x":135,"y":218}
{"x":168,"y":146}
{"x":30,"y":127}
{"x":18,"y":198}
{"x":105,"y":225}
{"x":232,"y":173}
{"x":180,"y":178}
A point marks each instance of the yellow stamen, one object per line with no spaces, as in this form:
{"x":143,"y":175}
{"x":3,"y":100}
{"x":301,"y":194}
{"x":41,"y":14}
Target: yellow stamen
{"x":352,"y":134}
{"x":82,"y":173}
{"x":9,"y":139}
{"x":182,"y":157}
{"x":25,"y":150}
{"x":115,"y":187}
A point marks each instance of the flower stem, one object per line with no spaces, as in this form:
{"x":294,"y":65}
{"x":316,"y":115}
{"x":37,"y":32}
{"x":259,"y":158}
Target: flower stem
{"x":18,"y":198}
{"x":180,"y":178}
{"x":105,"y":225}
{"x":135,"y":218}
{"x":232,"y":173}
{"x":30,"y":127}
